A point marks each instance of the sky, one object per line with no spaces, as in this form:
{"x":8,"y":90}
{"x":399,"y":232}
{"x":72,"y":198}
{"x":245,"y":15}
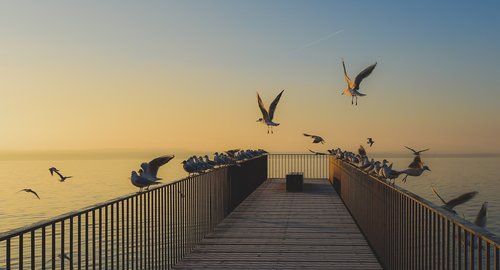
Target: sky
{"x":141,"y":75}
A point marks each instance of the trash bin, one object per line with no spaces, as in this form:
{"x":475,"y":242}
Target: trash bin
{"x":294,"y":181}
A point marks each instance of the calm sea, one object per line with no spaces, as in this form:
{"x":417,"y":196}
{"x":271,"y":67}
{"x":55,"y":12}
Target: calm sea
{"x":96,"y":181}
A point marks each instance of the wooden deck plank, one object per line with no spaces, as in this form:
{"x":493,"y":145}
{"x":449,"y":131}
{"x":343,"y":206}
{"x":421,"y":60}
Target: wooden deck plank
{"x":275,"y":229}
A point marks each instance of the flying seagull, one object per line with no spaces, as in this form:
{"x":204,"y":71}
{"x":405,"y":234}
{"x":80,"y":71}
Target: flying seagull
{"x":52,"y":170}
{"x":30,"y":191}
{"x":62,"y":178}
{"x":317,"y":153}
{"x":150,"y":169}
{"x":267,"y":116}
{"x":481,"y":217}
{"x":316,"y":138}
{"x":416,"y":153}
{"x":370,"y":142}
{"x":449,"y":205}
{"x":353,"y":86}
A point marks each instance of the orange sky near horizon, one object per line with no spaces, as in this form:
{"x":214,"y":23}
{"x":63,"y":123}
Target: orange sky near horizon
{"x":174,"y":81}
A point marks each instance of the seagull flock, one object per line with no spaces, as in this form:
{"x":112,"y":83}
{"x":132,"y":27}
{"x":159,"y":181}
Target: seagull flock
{"x":384,"y":171}
{"x":146,"y":176}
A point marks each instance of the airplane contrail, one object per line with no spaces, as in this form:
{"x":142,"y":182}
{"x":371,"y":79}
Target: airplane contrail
{"x":318,"y":40}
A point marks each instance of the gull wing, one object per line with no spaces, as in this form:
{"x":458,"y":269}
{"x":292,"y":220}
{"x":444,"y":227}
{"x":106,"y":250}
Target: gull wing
{"x":417,"y":163}
{"x":437,"y":194}
{"x":361,"y":151}
{"x":461,"y":199}
{"x":307,"y":135}
{"x":346,"y":77}
{"x":363,"y":74}
{"x":60,"y":175}
{"x":418,"y":152}
{"x":481,"y":217}
{"x":156,"y":163}
{"x":273,"y":105}
{"x":411,"y":149}
{"x":262,"y":108}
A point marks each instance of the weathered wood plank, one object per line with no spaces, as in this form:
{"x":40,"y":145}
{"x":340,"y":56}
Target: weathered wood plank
{"x":275,"y":229}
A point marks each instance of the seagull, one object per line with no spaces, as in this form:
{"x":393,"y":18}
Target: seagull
{"x":52,"y":170}
{"x":317,"y":139}
{"x":150,"y":169}
{"x":141,"y":181}
{"x":361,"y":151}
{"x":370,"y":141}
{"x":30,"y":191}
{"x":481,"y":217}
{"x":317,"y":153}
{"x":267,"y":116}
{"x":62,"y":178}
{"x":414,"y":171}
{"x":416,"y":153}
{"x":353,"y":86}
{"x":449,"y":205}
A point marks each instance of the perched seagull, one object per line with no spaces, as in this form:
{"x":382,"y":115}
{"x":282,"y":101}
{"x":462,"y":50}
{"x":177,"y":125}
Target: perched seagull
{"x":62,"y":178}
{"x":232,"y":153}
{"x":449,"y":205}
{"x":30,"y":191}
{"x":150,"y":169}
{"x":370,"y":142}
{"x":317,"y":153}
{"x":52,"y":170}
{"x":361,"y":151}
{"x":416,"y":153}
{"x":141,"y":181}
{"x":353,"y":86}
{"x":481,"y":217}
{"x":317,"y":139}
{"x":267,"y":116}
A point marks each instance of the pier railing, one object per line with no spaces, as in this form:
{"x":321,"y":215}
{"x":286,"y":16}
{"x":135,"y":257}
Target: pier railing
{"x":313,"y":166}
{"x":148,"y":230}
{"x":409,"y":232}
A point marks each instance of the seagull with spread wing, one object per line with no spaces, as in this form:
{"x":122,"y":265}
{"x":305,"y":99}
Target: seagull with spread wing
{"x":29,"y":190}
{"x":449,"y":205}
{"x":353,"y":86}
{"x":150,"y":169}
{"x":416,"y":167}
{"x":362,"y":151}
{"x":317,"y":153}
{"x":62,"y":178}
{"x":267,"y":116}
{"x":370,"y":141}
{"x":415,"y":152}
{"x":316,"y":138}
{"x":482,"y":217}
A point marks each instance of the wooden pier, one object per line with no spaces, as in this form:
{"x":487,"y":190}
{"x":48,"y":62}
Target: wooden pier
{"x":275,"y":229}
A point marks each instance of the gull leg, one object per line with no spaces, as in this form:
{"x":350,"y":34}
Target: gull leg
{"x":404,"y":179}
{"x":272,"y":130}
{"x":356,"y":100}
{"x":352,"y":100}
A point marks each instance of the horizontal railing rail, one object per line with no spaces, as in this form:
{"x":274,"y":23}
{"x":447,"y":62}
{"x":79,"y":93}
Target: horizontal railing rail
{"x":313,"y":166}
{"x":148,"y":230}
{"x":408,"y":232}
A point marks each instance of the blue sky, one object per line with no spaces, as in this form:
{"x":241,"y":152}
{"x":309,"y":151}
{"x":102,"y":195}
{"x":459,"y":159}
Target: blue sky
{"x":106,"y":67}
